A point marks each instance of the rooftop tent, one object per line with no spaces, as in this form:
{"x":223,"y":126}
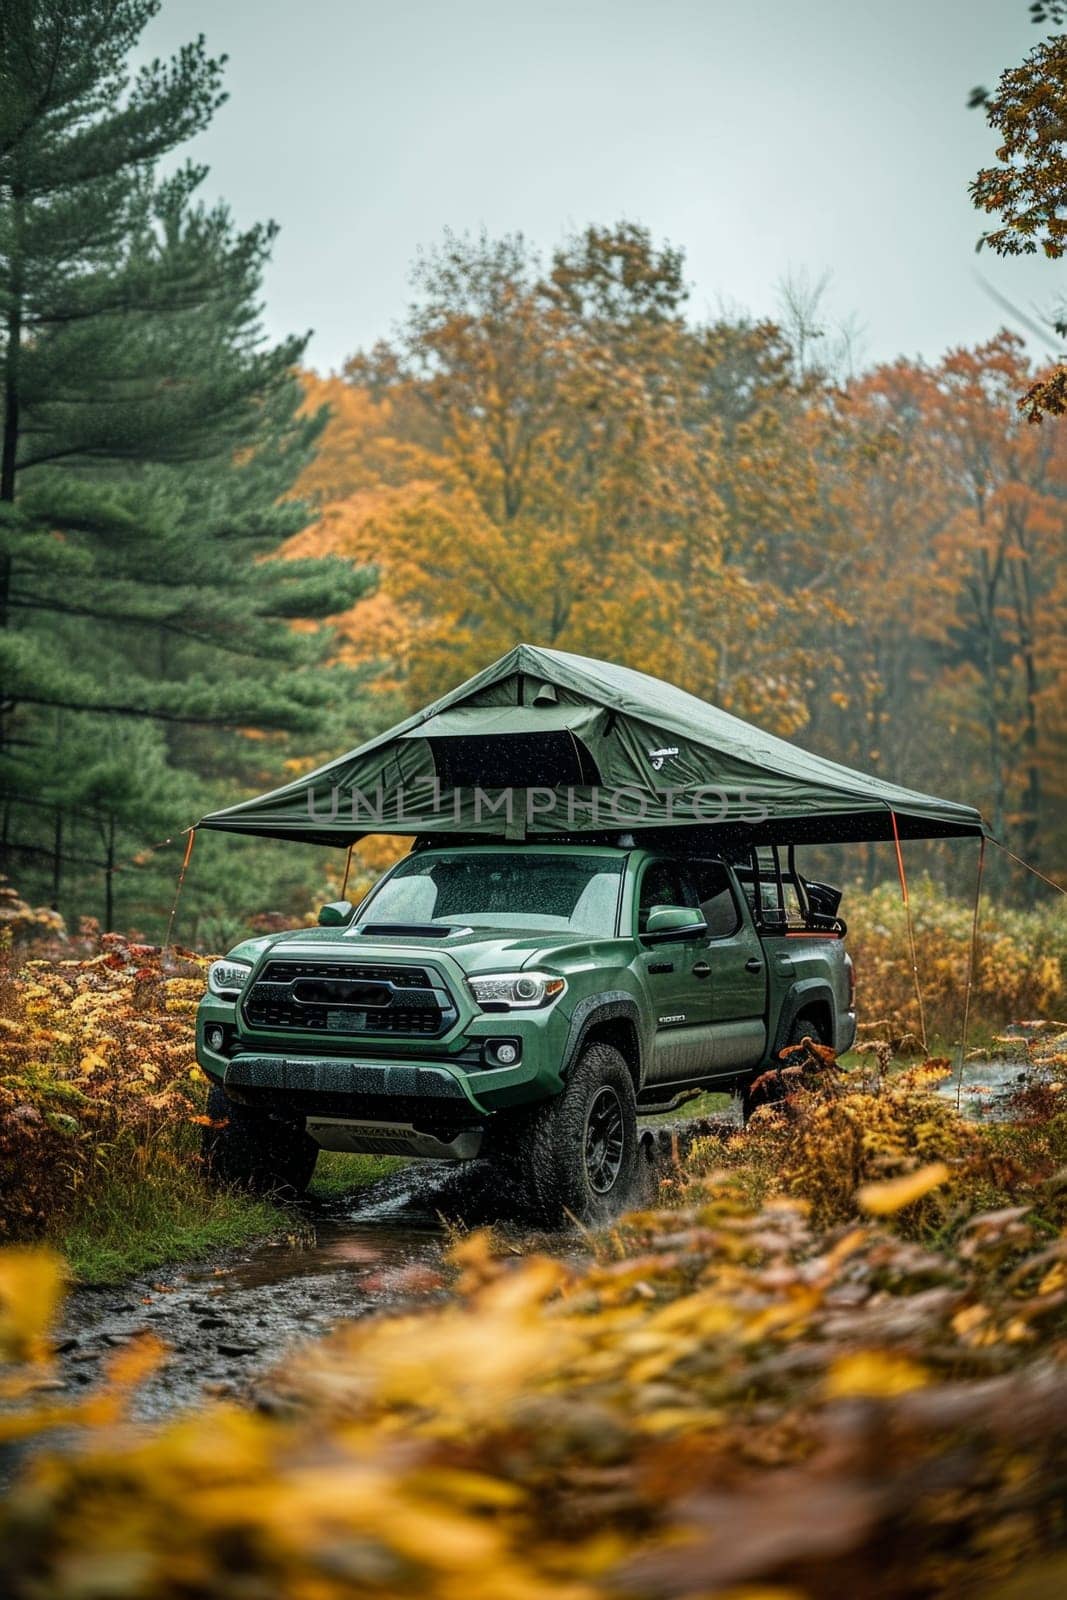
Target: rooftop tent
{"x":545,"y":744}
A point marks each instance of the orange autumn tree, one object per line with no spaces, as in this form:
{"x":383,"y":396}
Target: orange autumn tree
{"x":556,"y":454}
{"x":1002,"y":561}
{"x":361,"y":470}
{"x":772,"y":427}
{"x":945,"y":529}
{"x":572,"y":504}
{"x":1026,"y":187}
{"x":884,"y":499}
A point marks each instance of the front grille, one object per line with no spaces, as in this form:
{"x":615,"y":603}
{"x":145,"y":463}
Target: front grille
{"x":349,"y":1000}
{"x":403,"y":977}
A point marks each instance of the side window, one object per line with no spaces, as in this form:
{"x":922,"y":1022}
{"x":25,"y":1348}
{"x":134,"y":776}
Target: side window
{"x":718,"y":903}
{"x":662,"y":884}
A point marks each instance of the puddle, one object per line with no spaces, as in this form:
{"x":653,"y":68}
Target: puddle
{"x":985,"y":1090}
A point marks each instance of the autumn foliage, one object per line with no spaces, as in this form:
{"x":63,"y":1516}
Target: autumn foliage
{"x":828,"y":1353}
{"x":1020,"y":970}
{"x":736,"y":1390}
{"x":555,"y":450}
{"x":97,"y":1066}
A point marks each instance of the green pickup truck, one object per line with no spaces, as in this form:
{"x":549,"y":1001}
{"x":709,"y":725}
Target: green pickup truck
{"x":523,"y":1003}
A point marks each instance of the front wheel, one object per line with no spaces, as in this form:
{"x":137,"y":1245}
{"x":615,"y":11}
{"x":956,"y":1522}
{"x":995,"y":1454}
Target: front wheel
{"x":580,"y":1148}
{"x":246,"y":1149}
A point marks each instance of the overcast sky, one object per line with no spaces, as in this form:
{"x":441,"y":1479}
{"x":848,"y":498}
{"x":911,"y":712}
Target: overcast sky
{"x":765,"y":137}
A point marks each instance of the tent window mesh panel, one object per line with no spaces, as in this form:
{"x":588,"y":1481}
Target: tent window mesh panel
{"x":517,"y":760}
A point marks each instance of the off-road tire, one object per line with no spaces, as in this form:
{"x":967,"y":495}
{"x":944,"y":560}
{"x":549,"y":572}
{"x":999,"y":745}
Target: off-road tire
{"x":249,"y":1150}
{"x":579,"y":1150}
{"x":774,"y":1093}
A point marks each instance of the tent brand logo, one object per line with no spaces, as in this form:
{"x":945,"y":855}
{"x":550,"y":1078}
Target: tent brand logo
{"x":658,"y":757}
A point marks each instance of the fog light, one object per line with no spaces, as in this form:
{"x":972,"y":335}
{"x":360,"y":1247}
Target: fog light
{"x":215,"y":1039}
{"x":501,"y":1052}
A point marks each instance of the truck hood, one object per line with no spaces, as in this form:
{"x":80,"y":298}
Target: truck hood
{"x":473,"y":950}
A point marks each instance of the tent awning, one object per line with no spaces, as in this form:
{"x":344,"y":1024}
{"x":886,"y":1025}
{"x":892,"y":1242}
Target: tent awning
{"x":545,"y":744}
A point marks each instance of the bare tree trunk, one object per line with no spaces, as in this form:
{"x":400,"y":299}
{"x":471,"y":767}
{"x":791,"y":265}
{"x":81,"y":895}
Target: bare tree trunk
{"x":109,"y":876}
{"x":1022,"y":577}
{"x":9,"y":443}
{"x":57,"y":859}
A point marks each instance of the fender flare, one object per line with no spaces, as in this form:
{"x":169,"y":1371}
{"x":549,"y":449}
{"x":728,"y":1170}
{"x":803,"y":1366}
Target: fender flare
{"x":605,"y":1007}
{"x":802,"y":995}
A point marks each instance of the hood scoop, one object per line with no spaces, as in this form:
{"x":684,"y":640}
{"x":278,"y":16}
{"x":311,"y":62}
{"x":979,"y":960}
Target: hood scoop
{"x":408,"y":930}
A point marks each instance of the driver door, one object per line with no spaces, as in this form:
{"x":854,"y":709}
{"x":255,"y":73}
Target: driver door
{"x":677,"y":973}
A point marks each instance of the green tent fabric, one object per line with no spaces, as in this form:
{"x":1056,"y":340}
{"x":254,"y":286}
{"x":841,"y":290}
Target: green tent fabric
{"x":544,"y":744}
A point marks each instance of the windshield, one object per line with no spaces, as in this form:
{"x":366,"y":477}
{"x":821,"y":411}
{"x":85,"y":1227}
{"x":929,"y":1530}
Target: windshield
{"x":502,"y":889}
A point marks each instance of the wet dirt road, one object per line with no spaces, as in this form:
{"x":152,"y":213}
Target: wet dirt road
{"x":230,"y":1321}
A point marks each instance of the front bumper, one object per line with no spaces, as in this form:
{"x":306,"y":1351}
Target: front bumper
{"x":300,"y":1077}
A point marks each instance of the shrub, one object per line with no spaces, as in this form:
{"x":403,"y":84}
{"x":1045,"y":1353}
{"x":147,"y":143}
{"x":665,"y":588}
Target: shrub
{"x":1021,"y":970}
{"x":837,"y":1133}
{"x":97,"y":1065}
{"x":727,"y":1397}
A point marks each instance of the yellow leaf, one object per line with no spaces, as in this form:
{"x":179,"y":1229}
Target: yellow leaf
{"x":882,"y":1199}
{"x":32,"y":1284}
{"x":873,"y":1372}
{"x":1054,"y":1279}
{"x":971,"y":1317}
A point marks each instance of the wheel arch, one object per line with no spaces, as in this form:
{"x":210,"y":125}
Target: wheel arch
{"x":613,"y":1018}
{"x":813,"y":1000}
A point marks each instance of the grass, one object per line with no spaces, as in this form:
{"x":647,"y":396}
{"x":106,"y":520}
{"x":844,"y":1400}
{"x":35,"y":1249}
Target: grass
{"x":132,"y":1222}
{"x":338,"y":1174}
{"x":139,"y":1215}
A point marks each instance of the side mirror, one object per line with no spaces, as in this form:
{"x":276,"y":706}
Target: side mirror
{"x":674,"y":922}
{"x":337,"y":914}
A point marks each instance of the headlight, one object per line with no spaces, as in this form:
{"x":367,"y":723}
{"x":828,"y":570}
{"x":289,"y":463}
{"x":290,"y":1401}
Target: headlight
{"x":517,"y":990}
{"x":227,"y":978}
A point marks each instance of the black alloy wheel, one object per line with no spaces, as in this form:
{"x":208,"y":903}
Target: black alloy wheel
{"x":605,"y":1140}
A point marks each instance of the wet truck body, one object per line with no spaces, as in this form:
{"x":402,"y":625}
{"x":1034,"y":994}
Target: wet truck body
{"x":524,"y":1003}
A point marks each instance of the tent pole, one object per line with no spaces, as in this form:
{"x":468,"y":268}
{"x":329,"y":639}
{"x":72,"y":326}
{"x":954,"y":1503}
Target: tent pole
{"x":972,"y":963}
{"x":191,"y":832}
{"x":911,"y":929}
{"x":348,"y":868}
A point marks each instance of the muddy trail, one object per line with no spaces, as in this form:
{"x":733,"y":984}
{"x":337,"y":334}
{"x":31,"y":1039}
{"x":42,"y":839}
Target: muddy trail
{"x":229,"y":1322}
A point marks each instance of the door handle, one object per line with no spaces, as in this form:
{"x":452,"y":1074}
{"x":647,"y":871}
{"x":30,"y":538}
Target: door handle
{"x":702,"y":970}
{"x":753,"y":964}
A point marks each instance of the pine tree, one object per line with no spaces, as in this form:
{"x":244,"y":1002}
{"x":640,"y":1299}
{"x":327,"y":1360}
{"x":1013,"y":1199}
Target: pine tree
{"x":150,"y":435}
